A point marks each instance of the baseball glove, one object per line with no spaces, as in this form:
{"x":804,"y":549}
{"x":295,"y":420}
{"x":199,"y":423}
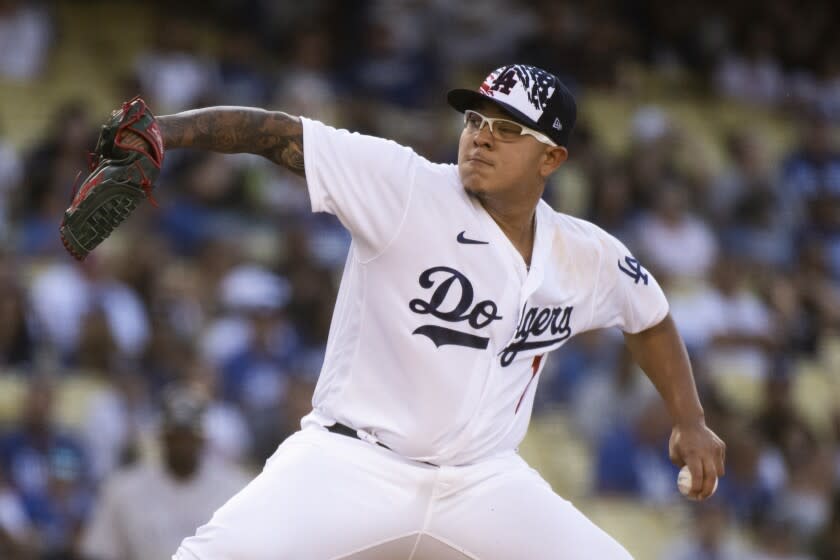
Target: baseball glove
{"x":122,"y":174}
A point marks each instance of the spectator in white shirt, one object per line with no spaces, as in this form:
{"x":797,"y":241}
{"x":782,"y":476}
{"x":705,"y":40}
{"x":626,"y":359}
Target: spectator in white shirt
{"x":674,"y":242}
{"x":144,"y":512}
{"x":25,"y":30}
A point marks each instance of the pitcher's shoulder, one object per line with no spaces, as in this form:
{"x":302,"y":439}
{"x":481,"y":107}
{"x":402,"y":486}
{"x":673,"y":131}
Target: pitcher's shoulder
{"x":578,"y":229}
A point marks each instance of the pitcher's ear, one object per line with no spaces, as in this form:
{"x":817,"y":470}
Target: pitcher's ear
{"x":555,"y":156}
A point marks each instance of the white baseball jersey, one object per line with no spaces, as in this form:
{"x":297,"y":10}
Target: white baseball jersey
{"x":440,"y":331}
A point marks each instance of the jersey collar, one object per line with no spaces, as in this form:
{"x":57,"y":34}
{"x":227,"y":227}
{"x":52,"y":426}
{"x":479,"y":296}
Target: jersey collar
{"x":543,"y":240}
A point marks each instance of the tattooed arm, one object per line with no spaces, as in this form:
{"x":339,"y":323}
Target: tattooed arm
{"x":271,"y":134}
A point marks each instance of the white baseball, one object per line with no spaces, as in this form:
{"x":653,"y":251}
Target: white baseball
{"x":684,"y":483}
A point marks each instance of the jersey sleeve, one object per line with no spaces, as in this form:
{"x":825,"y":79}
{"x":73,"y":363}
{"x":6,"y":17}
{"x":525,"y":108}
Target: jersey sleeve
{"x":626,"y":295}
{"x":363,"y":180}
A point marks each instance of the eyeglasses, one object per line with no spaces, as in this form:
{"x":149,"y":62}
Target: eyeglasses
{"x":502,"y":129}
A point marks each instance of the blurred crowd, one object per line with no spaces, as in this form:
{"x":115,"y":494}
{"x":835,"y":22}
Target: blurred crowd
{"x":225,"y":291}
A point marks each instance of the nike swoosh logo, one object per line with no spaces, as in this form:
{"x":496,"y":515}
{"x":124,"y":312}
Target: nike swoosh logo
{"x":466,"y":241}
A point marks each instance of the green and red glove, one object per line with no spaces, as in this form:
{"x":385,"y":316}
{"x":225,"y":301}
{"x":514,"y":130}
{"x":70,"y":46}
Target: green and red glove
{"x":122,"y":174}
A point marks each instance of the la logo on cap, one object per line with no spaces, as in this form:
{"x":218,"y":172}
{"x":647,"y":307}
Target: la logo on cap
{"x":557,"y":124}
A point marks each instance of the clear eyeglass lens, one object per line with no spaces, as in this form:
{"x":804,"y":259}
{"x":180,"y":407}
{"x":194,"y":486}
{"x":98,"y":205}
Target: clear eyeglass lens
{"x":472,"y":120}
{"x":507,"y":130}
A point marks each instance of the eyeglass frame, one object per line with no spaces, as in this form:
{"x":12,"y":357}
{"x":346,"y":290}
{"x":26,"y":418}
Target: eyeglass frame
{"x":539,"y":136}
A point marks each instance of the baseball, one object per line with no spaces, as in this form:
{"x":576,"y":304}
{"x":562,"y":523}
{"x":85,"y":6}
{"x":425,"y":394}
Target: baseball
{"x":684,"y":483}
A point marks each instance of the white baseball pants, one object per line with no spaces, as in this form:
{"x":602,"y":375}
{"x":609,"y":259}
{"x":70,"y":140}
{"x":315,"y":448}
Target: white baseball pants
{"x":325,"y":496}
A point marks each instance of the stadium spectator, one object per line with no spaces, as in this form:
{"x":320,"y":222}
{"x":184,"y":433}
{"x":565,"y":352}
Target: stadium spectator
{"x":241,"y":79}
{"x":48,"y":466}
{"x":183,"y":484}
{"x":67,"y":300}
{"x":672,"y":240}
{"x":171,"y":73}
{"x":813,"y":166}
{"x":754,"y":74}
{"x":827,"y":542}
{"x":25,"y":39}
{"x":710,"y":538}
{"x":117,"y":413}
{"x":17,"y":341}
{"x":50,"y":169}
{"x":632,"y":460}
{"x":11,"y":173}
{"x":611,"y":395}
{"x":16,"y":534}
{"x":227,"y":435}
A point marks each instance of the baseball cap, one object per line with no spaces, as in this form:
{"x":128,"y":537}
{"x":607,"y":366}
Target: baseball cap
{"x":183,"y":409}
{"x":532,"y":96}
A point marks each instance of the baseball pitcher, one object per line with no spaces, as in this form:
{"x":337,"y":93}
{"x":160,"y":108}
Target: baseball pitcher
{"x":459,"y":282}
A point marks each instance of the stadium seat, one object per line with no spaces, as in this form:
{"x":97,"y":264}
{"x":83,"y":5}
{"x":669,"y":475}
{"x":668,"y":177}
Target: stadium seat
{"x":561,"y":457}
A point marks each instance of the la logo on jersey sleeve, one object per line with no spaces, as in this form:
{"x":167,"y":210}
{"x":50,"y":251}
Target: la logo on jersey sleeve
{"x":634,"y":270}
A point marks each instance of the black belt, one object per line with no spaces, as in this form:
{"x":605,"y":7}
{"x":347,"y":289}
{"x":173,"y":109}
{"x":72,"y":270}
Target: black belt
{"x":339,"y":428}
{"x":344,"y":430}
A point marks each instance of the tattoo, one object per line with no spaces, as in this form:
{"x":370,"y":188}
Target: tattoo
{"x":271,"y":134}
